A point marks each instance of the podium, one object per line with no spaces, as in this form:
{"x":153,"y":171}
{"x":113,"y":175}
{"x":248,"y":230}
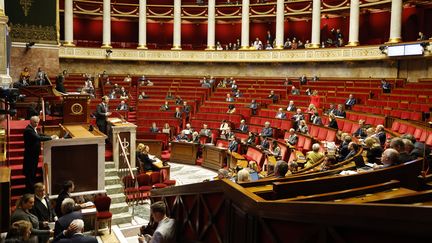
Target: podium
{"x":214,"y":157}
{"x":126,"y":133}
{"x":184,"y":153}
{"x":80,"y":158}
{"x":76,"y":109}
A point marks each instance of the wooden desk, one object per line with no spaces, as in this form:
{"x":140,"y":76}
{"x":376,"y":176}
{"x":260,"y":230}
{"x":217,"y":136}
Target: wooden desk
{"x":184,"y":153}
{"x":237,"y":159}
{"x":5,"y":195}
{"x":80,"y":159}
{"x":214,"y":157}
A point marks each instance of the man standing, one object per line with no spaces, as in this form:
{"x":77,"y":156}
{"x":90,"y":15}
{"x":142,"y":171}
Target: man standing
{"x":102,"y":114}
{"x":165,"y":231}
{"x":32,"y":149}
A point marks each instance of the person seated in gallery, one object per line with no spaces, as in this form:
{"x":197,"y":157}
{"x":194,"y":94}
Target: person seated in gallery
{"x":238,"y":94}
{"x":224,"y":126}
{"x":24,"y":78}
{"x":112,"y":95}
{"x":265,"y":144}
{"x":343,"y":149}
{"x":233,"y":144}
{"x":350,"y":102}
{"x":122,"y":106}
{"x":386,"y":86}
{"x":127,"y":79}
{"x":303,"y":128}
{"x":124,"y":94}
{"x":143,"y":161}
{"x":294,"y":90}
{"x":219,"y":46}
{"x":281,"y":169}
{"x":205,"y":131}
{"x":316,"y":119}
{"x":266,"y":131}
{"x":169,"y":96}
{"x":303,"y":80}
{"x":332,"y":123}
{"x":297,"y":117}
{"x":229,"y":98}
{"x":313,"y":156}
{"x":330,"y":110}
{"x":188,"y":129}
{"x":149,"y":83}
{"x":178,"y":114}
{"x":167,"y":129}
{"x":291,"y":106}
{"x":274,"y":151}
{"x":182,"y":137}
{"x":195,"y":138}
{"x":164,"y":107}
{"x":223,"y":83}
{"x":292,"y":138}
{"x":389,"y":157}
{"x":154,"y":128}
{"x":178,"y":100}
{"x":340,"y":111}
{"x":280,"y":114}
{"x":254,"y":107}
{"x":41,"y":77}
{"x":421,"y":36}
{"x":274,"y":97}
{"x":231,"y":109}
{"x":361,"y":131}
{"x":251,"y":139}
{"x":142,"y":96}
{"x":243,"y":127}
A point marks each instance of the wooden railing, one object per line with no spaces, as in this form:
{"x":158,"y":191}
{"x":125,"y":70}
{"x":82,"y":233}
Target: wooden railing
{"x":223,"y":211}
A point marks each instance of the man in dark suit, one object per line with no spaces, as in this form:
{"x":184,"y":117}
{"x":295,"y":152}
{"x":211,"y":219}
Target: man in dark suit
{"x":102,"y":114}
{"x":380,"y":134}
{"x":233,"y":145}
{"x":73,"y":234}
{"x":178,"y":113}
{"x":291,"y":106}
{"x":243,"y":127}
{"x":67,"y":208}
{"x":350,"y":102}
{"x":32,"y":149}
{"x":186,"y":109}
{"x":267,"y":131}
{"x":254,"y":107}
{"x":42,"y":207}
{"x":122,"y":106}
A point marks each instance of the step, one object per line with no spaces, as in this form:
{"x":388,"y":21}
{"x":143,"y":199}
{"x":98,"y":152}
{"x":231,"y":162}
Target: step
{"x":117,"y":208}
{"x":109,"y":165}
{"x":114,"y":189}
{"x":122,"y":218}
{"x":111,"y":180}
{"x":111,"y":172}
{"x":16,"y":152}
{"x":16,"y":137}
{"x":117,"y":198}
{"x":16,"y":144}
{"x":16,"y":169}
{"x":19,"y":179}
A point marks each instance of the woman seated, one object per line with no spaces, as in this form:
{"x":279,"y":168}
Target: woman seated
{"x":154,"y":128}
{"x":251,"y":139}
{"x":166,"y":129}
{"x":303,"y":128}
{"x":275,"y":151}
{"x":25,"y":77}
{"x":224,"y":128}
{"x":143,"y":160}
{"x":231,"y":109}
{"x":374,"y":150}
{"x":332,"y":121}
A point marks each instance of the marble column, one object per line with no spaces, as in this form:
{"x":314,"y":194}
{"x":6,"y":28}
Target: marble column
{"x":396,"y":22}
{"x":177,"y":26}
{"x":211,"y":23}
{"x":106,"y":42}
{"x":280,"y":24}
{"x":2,"y":11}
{"x":68,"y":23}
{"x":245,"y":25}
{"x":316,"y":24}
{"x":354,"y":23}
{"x":142,"y":22}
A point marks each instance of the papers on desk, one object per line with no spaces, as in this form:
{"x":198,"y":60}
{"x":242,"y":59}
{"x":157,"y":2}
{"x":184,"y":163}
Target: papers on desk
{"x":348,"y":172}
{"x":88,"y":204}
{"x":88,"y":210}
{"x":115,"y":120}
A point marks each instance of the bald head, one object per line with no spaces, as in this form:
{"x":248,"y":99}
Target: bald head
{"x":34,"y":121}
{"x":389,"y":157}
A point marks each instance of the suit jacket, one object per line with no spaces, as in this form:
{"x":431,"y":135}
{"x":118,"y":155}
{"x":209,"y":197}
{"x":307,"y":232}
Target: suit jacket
{"x":101,"y":116}
{"x":340,"y":113}
{"x":64,"y":221}
{"x":312,"y":158}
{"x":164,"y":107}
{"x":32,"y":148}
{"x":232,"y":146}
{"x":291,"y":108}
{"x":186,"y":109}
{"x":281,"y":115}
{"x":145,"y":160}
{"x":41,"y":211}
{"x":292,"y":139}
{"x":178,"y":115}
{"x":295,"y":92}
{"x":382,"y":137}
{"x":121,"y":107}
{"x":165,"y":232}
{"x":316,"y":120}
{"x":267,"y":132}
{"x":20,"y":214}
{"x":76,"y":238}
{"x":297,"y":117}
{"x":333,"y":124}
{"x":244,"y":128}
{"x":154,"y":129}
{"x":360,"y":132}
{"x":61,"y":196}
{"x":205,"y":132}
{"x":350,"y":102}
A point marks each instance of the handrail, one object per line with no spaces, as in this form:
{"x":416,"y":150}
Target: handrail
{"x":125,"y":156}
{"x":45,"y":175}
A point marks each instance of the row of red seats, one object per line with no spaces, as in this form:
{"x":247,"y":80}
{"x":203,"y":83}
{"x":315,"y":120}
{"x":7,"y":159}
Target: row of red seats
{"x":234,"y":118}
{"x":422,"y":134}
{"x":403,"y":114}
{"x":369,"y":119}
{"x":304,"y":142}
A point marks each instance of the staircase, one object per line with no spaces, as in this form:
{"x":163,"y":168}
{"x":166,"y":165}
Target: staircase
{"x":114,"y":189}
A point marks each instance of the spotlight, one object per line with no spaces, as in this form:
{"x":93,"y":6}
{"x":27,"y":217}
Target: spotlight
{"x":30,"y":44}
{"x":383,"y":49}
{"x":108,"y":52}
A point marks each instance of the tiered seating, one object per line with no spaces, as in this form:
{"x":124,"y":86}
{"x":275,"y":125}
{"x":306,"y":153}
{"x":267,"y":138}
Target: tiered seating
{"x":421,"y":133}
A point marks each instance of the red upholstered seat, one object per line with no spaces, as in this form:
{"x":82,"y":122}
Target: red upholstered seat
{"x":322,"y":133}
{"x":103,"y":215}
{"x":395,"y":126}
{"x":403,"y":128}
{"x":410,"y":129}
{"x":307,"y":144}
{"x":429,"y":140}
{"x":331,"y":136}
{"x":144,"y":182}
{"x":423,"y":136}
{"x":156,"y":180}
{"x":314,"y":131}
{"x":417,"y":133}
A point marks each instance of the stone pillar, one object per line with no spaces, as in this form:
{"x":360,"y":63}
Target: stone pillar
{"x":106,"y":42}
{"x":211,"y":23}
{"x":142,"y":22}
{"x":68,"y":23}
{"x":280,"y":24}
{"x":354,"y":23}
{"x":2,"y":9}
{"x":177,"y":26}
{"x":245,"y":25}
{"x":396,"y":22}
{"x":316,"y":24}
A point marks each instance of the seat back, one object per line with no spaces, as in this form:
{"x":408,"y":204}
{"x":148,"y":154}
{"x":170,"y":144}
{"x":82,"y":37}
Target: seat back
{"x":128,"y":181}
{"x":143,"y":179}
{"x":102,"y":203}
{"x":155,"y":177}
